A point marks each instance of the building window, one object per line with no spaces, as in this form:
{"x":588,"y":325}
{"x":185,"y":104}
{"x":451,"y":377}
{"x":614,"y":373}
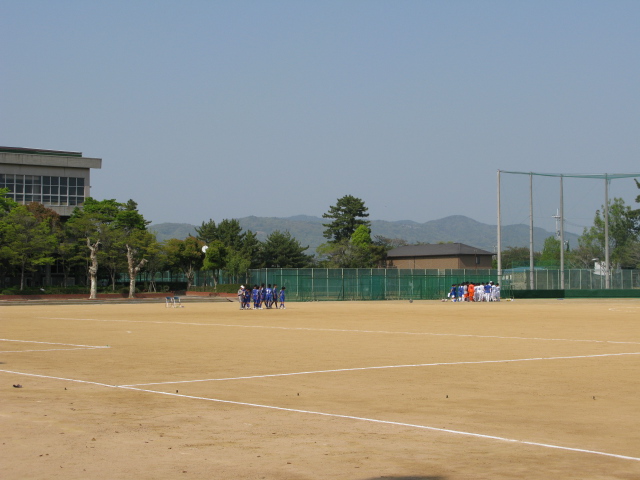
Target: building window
{"x":53,"y":191}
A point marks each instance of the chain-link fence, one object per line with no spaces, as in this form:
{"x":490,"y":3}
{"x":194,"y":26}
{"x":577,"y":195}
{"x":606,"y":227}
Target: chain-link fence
{"x":573,"y":279}
{"x":309,"y":284}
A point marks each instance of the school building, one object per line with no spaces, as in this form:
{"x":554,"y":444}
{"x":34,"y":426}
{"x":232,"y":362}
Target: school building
{"x":57,"y":179}
{"x":439,"y":256}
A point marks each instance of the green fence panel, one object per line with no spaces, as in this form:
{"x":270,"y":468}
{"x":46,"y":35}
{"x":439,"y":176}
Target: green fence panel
{"x":595,"y":293}
{"x":311,"y":284}
{"x":612,"y":293}
{"x":524,"y":294}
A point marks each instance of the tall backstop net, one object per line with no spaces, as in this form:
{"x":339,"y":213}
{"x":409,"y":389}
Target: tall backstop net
{"x":571,"y":205}
{"x":311,"y":284}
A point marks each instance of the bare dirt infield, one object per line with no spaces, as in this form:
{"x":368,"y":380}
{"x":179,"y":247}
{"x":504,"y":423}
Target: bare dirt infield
{"x":541,"y":389}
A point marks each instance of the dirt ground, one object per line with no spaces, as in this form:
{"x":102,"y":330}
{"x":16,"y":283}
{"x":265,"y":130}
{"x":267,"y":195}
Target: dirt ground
{"x":543,"y":389}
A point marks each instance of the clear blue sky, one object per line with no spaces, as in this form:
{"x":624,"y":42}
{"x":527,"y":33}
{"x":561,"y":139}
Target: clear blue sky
{"x":224,"y":109}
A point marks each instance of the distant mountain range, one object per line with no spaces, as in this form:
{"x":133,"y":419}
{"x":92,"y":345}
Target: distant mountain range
{"x":456,"y":228}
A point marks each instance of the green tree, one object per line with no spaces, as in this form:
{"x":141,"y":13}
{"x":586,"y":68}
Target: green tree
{"x":110,"y":255}
{"x":207,"y":232}
{"x":230,"y":233}
{"x":251,"y":251}
{"x":44,"y":214}
{"x":26,"y":242}
{"x":635,"y":214}
{"x":215,"y":259}
{"x":389,"y":243}
{"x":107,"y":209}
{"x":237,"y":264}
{"x":347,"y":215}
{"x":362,"y":236}
{"x":129,"y":219}
{"x":242,"y":249}
{"x":69,"y":252}
{"x":137,"y":240}
{"x":281,"y":250}
{"x":359,"y":251}
{"x":139,"y":244}
{"x":585,"y":254}
{"x":341,"y":254}
{"x":362,"y":247}
{"x":93,"y":223}
{"x":185,"y":256}
{"x":52,"y":219}
{"x":6,"y":203}
{"x":239,"y":261}
{"x":381,"y":245}
{"x":550,"y":255}
{"x":623,"y":235}
{"x":513,"y":257}
{"x":631,"y":254}
{"x":631,"y":250}
{"x":157,"y":262}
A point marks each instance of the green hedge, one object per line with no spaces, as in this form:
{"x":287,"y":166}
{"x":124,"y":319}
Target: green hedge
{"x":65,"y":290}
{"x":575,"y":293}
{"x":52,"y":290}
{"x":220,"y":288}
{"x":537,"y":293}
{"x":602,"y":294}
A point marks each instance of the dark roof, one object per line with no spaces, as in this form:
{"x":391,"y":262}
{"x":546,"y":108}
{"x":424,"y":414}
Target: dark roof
{"x":38,"y":151}
{"x":436,"y":250}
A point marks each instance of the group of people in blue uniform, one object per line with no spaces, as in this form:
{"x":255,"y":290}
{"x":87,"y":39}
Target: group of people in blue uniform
{"x":261,"y":297}
{"x":470,"y":292}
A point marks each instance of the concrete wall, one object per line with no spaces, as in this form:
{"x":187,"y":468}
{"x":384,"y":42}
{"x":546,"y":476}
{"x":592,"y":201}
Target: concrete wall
{"x":60,"y":161}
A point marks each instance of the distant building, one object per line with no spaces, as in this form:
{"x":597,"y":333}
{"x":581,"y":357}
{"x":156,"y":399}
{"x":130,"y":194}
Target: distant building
{"x":440,"y":256}
{"x":58,"y":180}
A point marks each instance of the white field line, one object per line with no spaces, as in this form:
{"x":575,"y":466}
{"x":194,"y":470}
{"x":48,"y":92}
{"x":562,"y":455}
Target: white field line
{"x":51,"y":343}
{"x":344,"y":330}
{"x":59,"y":378}
{"x":387,"y":422}
{"x":76,"y":347}
{"x":382,"y":367}
{"x":52,"y":350}
{"x":349,"y":417}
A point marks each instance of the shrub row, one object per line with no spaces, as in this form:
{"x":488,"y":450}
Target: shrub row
{"x":160,"y":287}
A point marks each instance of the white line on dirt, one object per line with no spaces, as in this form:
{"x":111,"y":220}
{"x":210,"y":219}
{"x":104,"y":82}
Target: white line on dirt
{"x":52,"y":350}
{"x":386,"y":332}
{"x":347,"y":417}
{"x":387,"y":422}
{"x":59,"y":378}
{"x":382,"y":367}
{"x":51,"y":343}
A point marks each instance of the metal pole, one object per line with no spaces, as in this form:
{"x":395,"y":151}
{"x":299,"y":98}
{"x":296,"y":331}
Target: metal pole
{"x":607,"y":281}
{"x":531,"y":279}
{"x":499,"y":233}
{"x":561,"y":236}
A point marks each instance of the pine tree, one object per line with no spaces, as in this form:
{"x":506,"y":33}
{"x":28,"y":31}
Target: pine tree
{"x":347,"y":215}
